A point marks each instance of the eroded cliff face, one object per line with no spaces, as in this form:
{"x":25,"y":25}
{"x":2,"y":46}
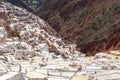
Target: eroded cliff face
{"x":112,"y":42}
{"x":89,"y":23}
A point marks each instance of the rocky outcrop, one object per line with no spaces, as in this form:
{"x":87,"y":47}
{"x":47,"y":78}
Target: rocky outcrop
{"x":84,"y":21}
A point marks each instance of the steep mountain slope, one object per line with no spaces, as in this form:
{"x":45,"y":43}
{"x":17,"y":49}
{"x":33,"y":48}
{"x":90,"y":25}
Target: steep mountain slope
{"x":30,"y":30}
{"x":85,"y":22}
{"x":31,"y":50}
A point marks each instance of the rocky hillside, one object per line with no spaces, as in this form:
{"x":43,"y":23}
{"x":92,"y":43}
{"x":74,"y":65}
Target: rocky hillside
{"x":93,"y":24}
{"x":31,"y":50}
{"x":28,"y":29}
{"x":24,"y":36}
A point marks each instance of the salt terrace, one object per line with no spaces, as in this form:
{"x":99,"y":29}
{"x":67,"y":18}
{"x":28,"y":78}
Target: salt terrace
{"x":31,"y":50}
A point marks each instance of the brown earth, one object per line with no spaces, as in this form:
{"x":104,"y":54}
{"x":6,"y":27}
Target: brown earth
{"x":93,"y":24}
{"x":110,"y":43}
